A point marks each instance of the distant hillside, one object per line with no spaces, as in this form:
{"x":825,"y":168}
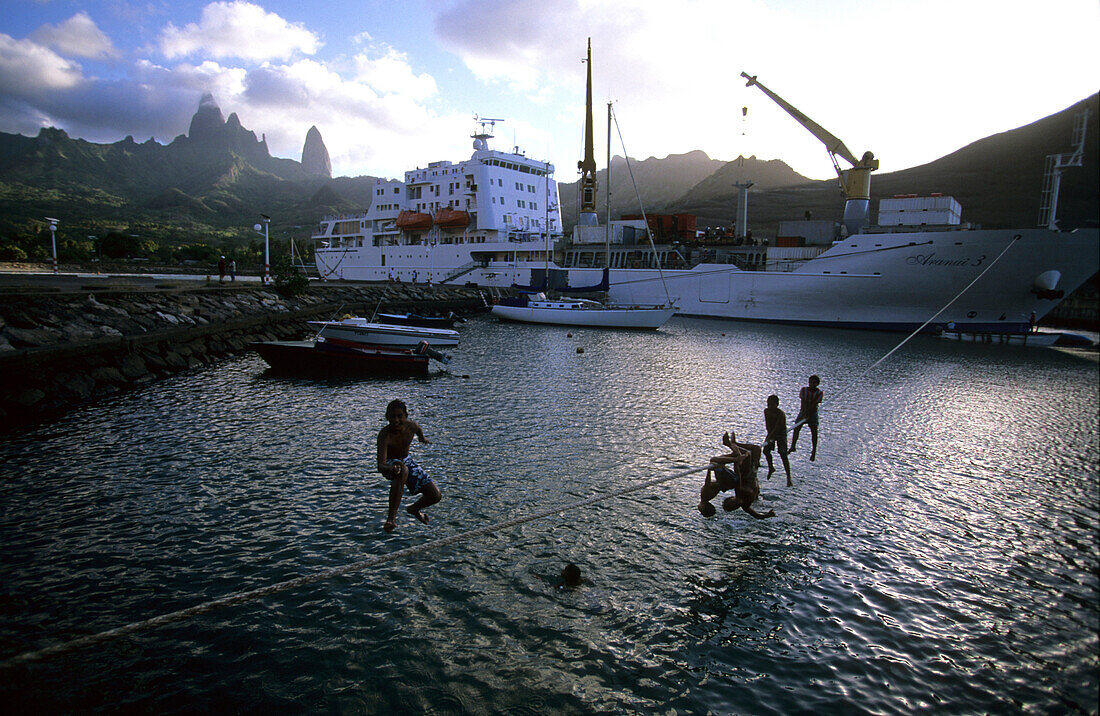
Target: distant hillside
{"x":212,"y":184}
{"x":660,"y":182}
{"x":217,"y":178}
{"x":997,"y":180}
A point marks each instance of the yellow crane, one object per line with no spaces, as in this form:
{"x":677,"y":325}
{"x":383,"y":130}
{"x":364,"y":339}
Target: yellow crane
{"x":855,"y":183}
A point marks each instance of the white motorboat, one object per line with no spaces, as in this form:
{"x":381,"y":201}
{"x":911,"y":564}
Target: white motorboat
{"x":364,"y":331}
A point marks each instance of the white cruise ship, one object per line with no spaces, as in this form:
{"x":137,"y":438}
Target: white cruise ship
{"x":487,"y":220}
{"x":493,"y":221}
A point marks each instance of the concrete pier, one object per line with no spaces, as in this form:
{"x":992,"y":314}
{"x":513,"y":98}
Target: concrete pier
{"x":65,"y":346}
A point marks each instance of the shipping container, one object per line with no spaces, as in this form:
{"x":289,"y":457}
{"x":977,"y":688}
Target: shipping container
{"x":790,"y":241}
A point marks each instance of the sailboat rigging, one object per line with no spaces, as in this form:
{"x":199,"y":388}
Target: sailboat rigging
{"x":579,"y":311}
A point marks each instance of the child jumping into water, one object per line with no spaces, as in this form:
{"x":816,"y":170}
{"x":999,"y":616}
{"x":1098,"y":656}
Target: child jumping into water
{"x":775,"y":421}
{"x":745,"y":459}
{"x":811,"y":397}
{"x":401,"y":470}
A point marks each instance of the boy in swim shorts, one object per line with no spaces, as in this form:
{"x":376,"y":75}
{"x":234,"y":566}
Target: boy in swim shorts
{"x":401,"y":470}
{"x":811,"y":397}
{"x":775,"y":420}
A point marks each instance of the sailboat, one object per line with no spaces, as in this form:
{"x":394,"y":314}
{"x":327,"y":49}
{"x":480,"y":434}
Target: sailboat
{"x":536,"y":307}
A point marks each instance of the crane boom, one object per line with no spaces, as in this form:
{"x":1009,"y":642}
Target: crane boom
{"x":854,"y":182}
{"x":831,"y":142}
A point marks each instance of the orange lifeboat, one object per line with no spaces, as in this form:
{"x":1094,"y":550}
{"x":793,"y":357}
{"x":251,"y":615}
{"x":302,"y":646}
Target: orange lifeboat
{"x":413,"y":221}
{"x":451,"y":219}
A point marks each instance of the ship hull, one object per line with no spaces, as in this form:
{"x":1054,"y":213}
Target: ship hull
{"x":897,"y":282}
{"x":883,"y":281}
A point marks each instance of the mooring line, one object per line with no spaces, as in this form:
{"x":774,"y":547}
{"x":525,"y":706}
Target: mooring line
{"x":251,"y":595}
{"x":920,"y":328}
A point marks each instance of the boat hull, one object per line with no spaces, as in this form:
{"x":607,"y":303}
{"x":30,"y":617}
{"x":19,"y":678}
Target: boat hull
{"x":887,"y":282}
{"x":305,"y":358}
{"x":633,"y":318}
{"x":883,"y":281}
{"x":384,"y":334}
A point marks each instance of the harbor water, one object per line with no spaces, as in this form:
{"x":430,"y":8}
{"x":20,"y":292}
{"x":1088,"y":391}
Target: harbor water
{"x":939,"y":555}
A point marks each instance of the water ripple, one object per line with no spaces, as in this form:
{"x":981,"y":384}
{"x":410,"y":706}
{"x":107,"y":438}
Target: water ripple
{"x":939,"y":555}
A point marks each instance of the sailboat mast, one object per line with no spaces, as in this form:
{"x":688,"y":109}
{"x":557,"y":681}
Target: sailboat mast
{"x":607,"y":194}
{"x":587,"y":165}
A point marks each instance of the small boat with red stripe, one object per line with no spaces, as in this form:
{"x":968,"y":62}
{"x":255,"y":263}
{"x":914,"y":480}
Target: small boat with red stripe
{"x":336,"y":357}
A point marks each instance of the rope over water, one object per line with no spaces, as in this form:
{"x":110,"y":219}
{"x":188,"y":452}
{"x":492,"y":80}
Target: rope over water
{"x":242,"y":597}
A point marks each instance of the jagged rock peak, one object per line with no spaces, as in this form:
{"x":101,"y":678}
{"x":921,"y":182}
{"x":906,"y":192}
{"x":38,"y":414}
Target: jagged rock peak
{"x":51,"y":134}
{"x":315,"y":159}
{"x":207,"y":121}
{"x":233,"y":122}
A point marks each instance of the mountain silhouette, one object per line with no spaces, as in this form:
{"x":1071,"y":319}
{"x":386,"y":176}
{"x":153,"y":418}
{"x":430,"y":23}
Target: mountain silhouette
{"x":218,"y":178}
{"x":997,"y":180}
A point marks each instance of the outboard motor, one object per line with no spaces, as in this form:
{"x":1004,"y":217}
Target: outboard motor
{"x":422,"y":348}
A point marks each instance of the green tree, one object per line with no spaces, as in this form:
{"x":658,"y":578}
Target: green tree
{"x":289,"y":281}
{"x":12,"y":252}
{"x":116,"y":245}
{"x":70,"y":250}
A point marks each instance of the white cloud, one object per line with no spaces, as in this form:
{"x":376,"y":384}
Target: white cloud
{"x":77,"y":37}
{"x":391,"y":74}
{"x":910,"y":82}
{"x":238,"y":29}
{"x":28,"y":69}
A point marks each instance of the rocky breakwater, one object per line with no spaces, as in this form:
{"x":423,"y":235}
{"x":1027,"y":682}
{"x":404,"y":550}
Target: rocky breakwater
{"x":60,"y":350}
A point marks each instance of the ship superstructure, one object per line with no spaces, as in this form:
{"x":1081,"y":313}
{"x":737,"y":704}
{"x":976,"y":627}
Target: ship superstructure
{"x":491,"y":215}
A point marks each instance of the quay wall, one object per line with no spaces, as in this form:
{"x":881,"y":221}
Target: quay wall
{"x":62,"y":349}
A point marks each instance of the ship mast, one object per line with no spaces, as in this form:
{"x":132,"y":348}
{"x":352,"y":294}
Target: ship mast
{"x":587,"y":166}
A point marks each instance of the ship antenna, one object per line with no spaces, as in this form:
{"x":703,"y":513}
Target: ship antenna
{"x":482,"y":137}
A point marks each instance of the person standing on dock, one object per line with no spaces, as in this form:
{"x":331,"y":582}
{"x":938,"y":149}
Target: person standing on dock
{"x":775,"y":422}
{"x":233,"y":270}
{"x":401,"y":470}
{"x":811,"y":397}
{"x":221,"y":270}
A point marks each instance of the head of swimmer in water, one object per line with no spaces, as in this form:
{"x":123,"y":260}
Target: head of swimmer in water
{"x":571,"y":575}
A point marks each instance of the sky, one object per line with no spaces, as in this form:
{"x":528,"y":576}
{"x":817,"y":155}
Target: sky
{"x":394,"y":85}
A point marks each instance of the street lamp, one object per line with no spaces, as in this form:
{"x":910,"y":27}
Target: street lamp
{"x":53,"y":240}
{"x":267,"y":262}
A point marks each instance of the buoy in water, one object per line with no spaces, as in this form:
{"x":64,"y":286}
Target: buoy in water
{"x":580,"y":350}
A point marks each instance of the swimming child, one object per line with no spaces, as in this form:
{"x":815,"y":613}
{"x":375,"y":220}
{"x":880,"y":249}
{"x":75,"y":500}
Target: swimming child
{"x":401,"y":470}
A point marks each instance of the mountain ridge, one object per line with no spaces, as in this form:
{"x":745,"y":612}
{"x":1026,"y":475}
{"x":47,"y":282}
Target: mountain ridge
{"x":217,"y":179}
